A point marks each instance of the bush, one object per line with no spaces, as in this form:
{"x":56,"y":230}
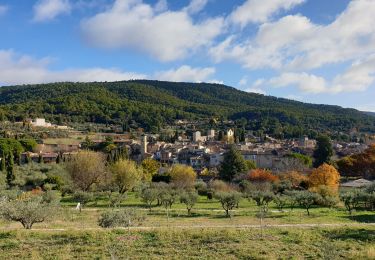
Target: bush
{"x":121,"y":218}
{"x":219,"y":186}
{"x":201,"y":187}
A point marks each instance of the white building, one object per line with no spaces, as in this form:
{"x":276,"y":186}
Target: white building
{"x":198,"y":138}
{"x":40,"y":122}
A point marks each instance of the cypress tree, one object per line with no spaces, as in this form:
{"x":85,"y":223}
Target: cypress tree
{"x":10,"y":170}
{"x":2,"y":164}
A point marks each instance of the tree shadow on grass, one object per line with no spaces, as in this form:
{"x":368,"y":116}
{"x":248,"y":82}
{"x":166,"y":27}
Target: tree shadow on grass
{"x":364,"y":218}
{"x":364,"y":235}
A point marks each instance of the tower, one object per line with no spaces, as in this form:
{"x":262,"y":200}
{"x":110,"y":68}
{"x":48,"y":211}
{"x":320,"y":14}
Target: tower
{"x":144,"y":144}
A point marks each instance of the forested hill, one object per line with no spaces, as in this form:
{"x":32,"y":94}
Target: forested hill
{"x":152,"y":104}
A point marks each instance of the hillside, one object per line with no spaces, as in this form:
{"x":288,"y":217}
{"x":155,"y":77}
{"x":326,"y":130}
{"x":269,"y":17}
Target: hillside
{"x":370,"y":113}
{"x":152,"y":104}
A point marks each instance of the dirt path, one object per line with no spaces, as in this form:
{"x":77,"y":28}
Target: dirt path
{"x":207,"y":227}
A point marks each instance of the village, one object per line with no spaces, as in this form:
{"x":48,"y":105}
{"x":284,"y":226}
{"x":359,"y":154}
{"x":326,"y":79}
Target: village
{"x":203,"y":151}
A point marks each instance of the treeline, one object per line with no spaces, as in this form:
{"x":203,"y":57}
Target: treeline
{"x":154,"y":104}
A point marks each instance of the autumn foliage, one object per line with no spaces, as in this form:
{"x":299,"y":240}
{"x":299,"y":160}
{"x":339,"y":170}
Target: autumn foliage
{"x":359,"y":165}
{"x":325,"y":175}
{"x":294,"y":177}
{"x":260,"y":175}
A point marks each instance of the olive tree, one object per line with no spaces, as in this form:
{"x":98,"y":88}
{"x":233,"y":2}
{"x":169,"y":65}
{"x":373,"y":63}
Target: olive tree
{"x":189,"y":199}
{"x":350,"y":200}
{"x":261,"y":198}
{"x":148,"y":196}
{"x":306,"y":199}
{"x":228,"y":200}
{"x":27,"y":209}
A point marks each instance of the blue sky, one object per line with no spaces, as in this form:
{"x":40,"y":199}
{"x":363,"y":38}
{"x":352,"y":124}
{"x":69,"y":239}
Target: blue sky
{"x":315,"y":51}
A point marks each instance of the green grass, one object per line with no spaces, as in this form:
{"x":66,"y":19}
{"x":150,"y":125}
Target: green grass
{"x":207,"y":234}
{"x":271,"y":243}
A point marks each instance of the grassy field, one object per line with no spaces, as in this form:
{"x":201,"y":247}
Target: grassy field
{"x":271,"y":243}
{"x":207,"y":234}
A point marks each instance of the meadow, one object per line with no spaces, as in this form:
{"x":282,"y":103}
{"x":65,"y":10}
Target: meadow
{"x":206,"y":234}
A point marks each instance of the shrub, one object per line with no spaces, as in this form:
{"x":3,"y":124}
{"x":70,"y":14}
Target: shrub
{"x":121,"y":218}
{"x":219,"y":186}
{"x":201,"y":187}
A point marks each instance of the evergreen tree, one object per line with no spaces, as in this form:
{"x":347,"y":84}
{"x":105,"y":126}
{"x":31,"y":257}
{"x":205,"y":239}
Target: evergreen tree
{"x":323,"y":151}
{"x":40,"y":159}
{"x":233,"y":164}
{"x":221,"y":135}
{"x":10,"y":170}
{"x":2,"y":164}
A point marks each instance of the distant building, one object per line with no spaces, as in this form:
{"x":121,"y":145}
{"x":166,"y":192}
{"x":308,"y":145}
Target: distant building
{"x":40,"y":122}
{"x":197,"y":137}
{"x":360,"y":183}
{"x":211,"y":134}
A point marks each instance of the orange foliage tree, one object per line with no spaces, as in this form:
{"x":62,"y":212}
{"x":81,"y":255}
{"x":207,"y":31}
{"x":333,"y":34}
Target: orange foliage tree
{"x":260,"y":175}
{"x":325,"y":175}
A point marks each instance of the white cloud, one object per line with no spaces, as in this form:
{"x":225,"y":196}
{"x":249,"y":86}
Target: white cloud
{"x":269,"y":48}
{"x":132,"y":24}
{"x":293,"y":46}
{"x":259,"y":11}
{"x":23,"y":69}
{"x":305,"y":82}
{"x":196,"y":6}
{"x":49,"y":9}
{"x":366,"y":107}
{"x":187,"y":74}
{"x":3,"y":9}
{"x":359,"y":77}
{"x":161,"y":6}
